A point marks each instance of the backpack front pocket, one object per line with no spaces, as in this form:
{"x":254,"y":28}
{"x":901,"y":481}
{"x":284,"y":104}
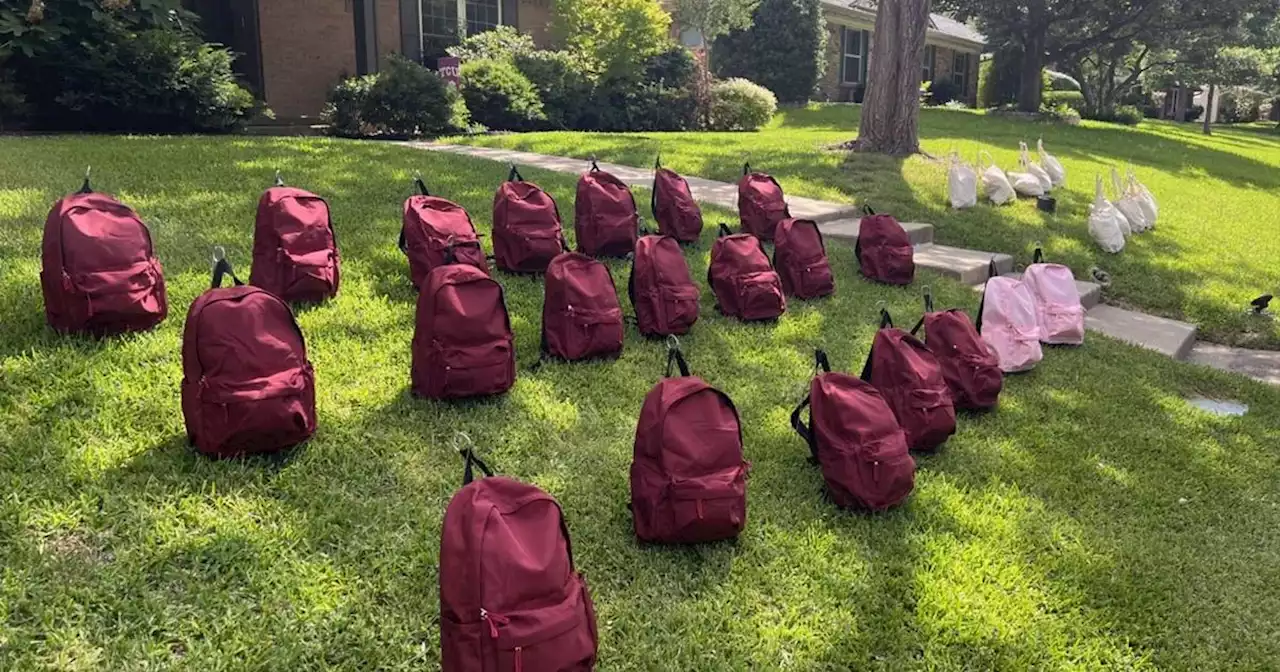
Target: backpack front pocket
{"x":596,"y":333}
{"x":928,"y":417}
{"x":708,"y":508}
{"x":472,"y":371}
{"x":885,"y":475}
{"x":558,"y":638}
{"x":679,"y":309}
{"x":254,"y":416}
{"x":816,"y":279}
{"x":308,"y":277}
{"x":760,"y":296}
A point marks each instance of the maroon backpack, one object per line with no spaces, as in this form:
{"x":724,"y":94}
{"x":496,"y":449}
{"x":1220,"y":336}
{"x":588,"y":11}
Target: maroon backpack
{"x":761,"y":204}
{"x":99,"y":271}
{"x":526,"y":226}
{"x":800,"y":258}
{"x":884,"y":250}
{"x":745,"y":285}
{"x":462,"y":340}
{"x":688,"y":477}
{"x":677,"y":214}
{"x":510,"y":598}
{"x":661,"y":289}
{"x":910,"y":379}
{"x":295,"y":253}
{"x":854,"y":438}
{"x":581,"y":317}
{"x":430,"y":228}
{"x":605,"y":218}
{"x":247,"y":386}
{"x":969,"y":364}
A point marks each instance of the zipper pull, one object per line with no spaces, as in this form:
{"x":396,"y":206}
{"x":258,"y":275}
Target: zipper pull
{"x":519,"y":659}
{"x":494,"y":621}
{"x":875,"y":470}
{"x":698,"y":503}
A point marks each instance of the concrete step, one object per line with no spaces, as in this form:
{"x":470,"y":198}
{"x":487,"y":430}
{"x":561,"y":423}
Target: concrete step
{"x":1090,"y":293}
{"x":1170,"y":337}
{"x":1257,"y":364}
{"x":967,"y":266}
{"x":847,"y":230}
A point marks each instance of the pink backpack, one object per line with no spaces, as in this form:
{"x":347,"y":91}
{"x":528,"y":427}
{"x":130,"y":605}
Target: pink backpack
{"x":1059,"y":313}
{"x":1007,"y":320}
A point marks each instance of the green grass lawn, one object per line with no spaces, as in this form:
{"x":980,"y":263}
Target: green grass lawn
{"x":1094,"y":521}
{"x":1217,"y":246}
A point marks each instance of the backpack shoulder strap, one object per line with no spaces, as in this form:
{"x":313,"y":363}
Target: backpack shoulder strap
{"x":820,"y":362}
{"x":928,"y":308}
{"x":886,"y":321}
{"x":982,"y":304}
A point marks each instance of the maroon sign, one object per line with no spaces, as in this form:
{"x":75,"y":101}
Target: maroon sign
{"x":448,"y":68}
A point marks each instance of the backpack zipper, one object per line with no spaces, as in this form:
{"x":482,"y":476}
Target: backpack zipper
{"x":519,"y":659}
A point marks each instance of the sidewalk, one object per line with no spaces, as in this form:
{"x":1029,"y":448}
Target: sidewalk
{"x":841,"y":221}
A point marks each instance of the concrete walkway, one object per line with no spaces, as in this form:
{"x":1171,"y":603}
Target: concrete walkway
{"x":841,"y":222}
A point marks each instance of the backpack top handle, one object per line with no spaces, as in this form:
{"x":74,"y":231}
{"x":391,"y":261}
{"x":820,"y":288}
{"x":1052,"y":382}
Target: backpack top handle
{"x":595,"y":168}
{"x":725,"y":230}
{"x":85,"y":188}
{"x":1038,"y":257}
{"x":465,"y":447}
{"x":514,"y":175}
{"x":279,"y":179}
{"x":422,"y":186}
{"x":674,"y":356}
{"x":746,"y":168}
{"x":221,"y":268}
{"x":928,"y":308}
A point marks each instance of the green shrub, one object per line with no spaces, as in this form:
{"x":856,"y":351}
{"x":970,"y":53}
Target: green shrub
{"x":154,"y":80}
{"x":14,"y":110}
{"x":1060,"y":113}
{"x":741,"y":105}
{"x":630,"y":105}
{"x":562,"y":83}
{"x":614,"y":37}
{"x":1072,"y":99}
{"x":408,"y":99}
{"x":499,"y":97}
{"x":999,"y":78}
{"x":1128,"y":115}
{"x":784,"y":50}
{"x":403,"y":100}
{"x":345,"y":109}
{"x":675,"y":67}
{"x":943,"y":91}
{"x":503,"y":43}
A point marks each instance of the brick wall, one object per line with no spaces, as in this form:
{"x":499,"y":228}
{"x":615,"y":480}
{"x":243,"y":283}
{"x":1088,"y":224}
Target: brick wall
{"x":307,"y":46}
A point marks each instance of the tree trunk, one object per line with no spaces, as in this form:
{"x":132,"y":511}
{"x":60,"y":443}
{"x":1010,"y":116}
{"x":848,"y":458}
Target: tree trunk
{"x":891,"y":109}
{"x":1031,"y":91}
{"x":1208,"y":109}
{"x":1180,"y":104}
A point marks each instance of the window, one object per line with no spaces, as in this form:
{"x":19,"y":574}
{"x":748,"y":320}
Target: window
{"x":960,"y":72}
{"x":483,"y":15}
{"x":450,"y":20}
{"x":930,"y":57}
{"x":439,"y":18}
{"x":853,"y":50}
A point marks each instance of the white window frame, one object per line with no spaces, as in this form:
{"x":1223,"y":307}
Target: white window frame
{"x":930,"y":63}
{"x":863,"y":38}
{"x":461,"y":15}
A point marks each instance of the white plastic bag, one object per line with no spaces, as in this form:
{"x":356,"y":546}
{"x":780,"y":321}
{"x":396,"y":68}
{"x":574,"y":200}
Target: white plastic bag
{"x":1035,"y":168}
{"x":994,"y":182}
{"x":1129,"y":204}
{"x":1150,"y":209}
{"x":962,"y":183}
{"x":1051,"y":165}
{"x":1105,"y":222}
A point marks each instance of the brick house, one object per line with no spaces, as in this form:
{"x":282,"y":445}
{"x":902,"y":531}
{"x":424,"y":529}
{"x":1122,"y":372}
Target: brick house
{"x":294,"y":51}
{"x":952,"y":51}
